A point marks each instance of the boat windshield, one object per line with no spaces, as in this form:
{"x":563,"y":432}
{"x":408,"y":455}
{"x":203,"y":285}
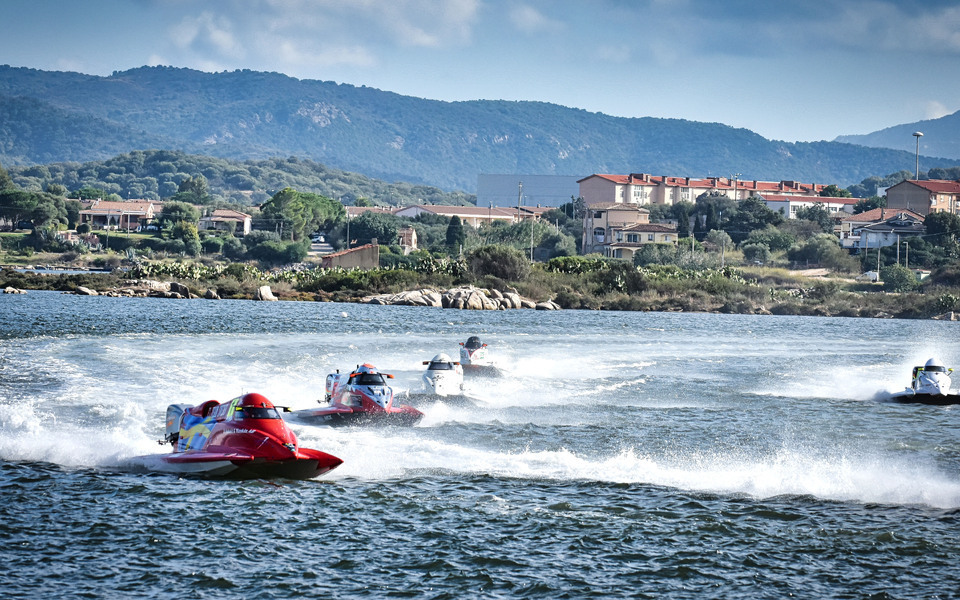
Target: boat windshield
{"x":369,"y":379}
{"x":935,"y":369}
{"x":256,"y":412}
{"x":440,"y":366}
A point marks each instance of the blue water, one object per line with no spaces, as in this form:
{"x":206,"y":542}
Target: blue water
{"x":658,"y":455}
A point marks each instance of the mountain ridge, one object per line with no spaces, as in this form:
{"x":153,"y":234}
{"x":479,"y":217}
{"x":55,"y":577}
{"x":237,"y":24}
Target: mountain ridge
{"x":251,"y":115}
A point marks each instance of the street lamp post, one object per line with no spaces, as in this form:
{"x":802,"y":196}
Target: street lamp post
{"x":918,"y":135}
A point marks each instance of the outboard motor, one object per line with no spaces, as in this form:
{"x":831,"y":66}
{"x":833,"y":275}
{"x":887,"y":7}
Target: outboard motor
{"x":172,"y":430}
{"x":932,"y":378}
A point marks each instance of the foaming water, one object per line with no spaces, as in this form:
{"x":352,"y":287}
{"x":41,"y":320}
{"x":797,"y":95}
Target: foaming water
{"x":615,"y":436}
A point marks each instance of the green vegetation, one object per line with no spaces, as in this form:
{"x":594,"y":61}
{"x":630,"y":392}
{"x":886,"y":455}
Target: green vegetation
{"x":204,"y":180}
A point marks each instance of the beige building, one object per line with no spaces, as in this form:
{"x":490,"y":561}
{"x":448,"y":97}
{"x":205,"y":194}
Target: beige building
{"x":223,"y":219}
{"x":925,"y":196}
{"x":617,"y":230}
{"x":474,"y":215}
{"x":642,"y":188}
{"x":361,"y":257}
{"x":789,"y":205}
{"x":127,"y":215}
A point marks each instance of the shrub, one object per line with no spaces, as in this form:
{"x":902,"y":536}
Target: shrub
{"x":212,"y":245}
{"x":504,"y":262}
{"x":897,"y":278}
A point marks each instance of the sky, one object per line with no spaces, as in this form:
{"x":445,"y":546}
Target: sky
{"x":801,"y":70}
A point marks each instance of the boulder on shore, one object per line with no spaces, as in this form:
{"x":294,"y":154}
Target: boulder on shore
{"x":265,"y":293}
{"x":468,"y":297}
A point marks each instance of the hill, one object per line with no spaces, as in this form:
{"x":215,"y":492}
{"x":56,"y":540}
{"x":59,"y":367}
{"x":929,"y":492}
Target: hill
{"x":941,"y":137}
{"x":255,"y":115}
{"x":156,"y":174}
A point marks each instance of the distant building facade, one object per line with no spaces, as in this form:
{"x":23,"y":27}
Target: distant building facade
{"x":789,"y":205}
{"x":925,"y":196}
{"x":537,"y":190}
{"x":642,"y":188}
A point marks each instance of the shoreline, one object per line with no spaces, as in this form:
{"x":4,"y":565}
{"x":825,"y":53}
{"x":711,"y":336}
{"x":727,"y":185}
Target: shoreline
{"x":820,"y":299}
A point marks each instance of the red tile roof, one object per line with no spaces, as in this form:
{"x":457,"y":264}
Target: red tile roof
{"x":938,"y":186}
{"x":880,"y":214}
{"x":718,"y":183}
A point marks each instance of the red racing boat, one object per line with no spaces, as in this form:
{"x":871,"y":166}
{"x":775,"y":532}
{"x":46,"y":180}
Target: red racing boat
{"x":244,"y":438}
{"x":360,"y":398}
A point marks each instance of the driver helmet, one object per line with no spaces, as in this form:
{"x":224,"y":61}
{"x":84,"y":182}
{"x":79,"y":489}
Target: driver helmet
{"x":934,"y":365}
{"x":473,"y":342}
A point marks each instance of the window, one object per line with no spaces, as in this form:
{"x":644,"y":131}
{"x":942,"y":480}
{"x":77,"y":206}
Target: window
{"x":619,"y":236}
{"x":633,"y":237}
{"x":598,"y":234}
{"x":598,"y":215}
{"x":649,"y":237}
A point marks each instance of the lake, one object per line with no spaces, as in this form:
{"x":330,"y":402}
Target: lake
{"x":641,"y":455}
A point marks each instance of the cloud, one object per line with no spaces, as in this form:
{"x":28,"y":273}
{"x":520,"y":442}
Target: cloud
{"x":527,"y":18}
{"x":935,"y":110}
{"x":207,"y":33}
{"x":620,"y":54}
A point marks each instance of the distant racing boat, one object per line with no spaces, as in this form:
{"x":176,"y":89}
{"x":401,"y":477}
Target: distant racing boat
{"x":361,"y":397}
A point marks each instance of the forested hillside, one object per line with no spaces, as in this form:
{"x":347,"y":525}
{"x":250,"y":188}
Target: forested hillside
{"x":254,"y":115}
{"x":941,"y":137}
{"x":158,"y":174}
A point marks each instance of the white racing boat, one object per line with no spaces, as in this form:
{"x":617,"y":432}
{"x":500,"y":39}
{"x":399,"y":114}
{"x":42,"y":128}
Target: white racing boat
{"x":476,"y":359}
{"x":930,"y":385}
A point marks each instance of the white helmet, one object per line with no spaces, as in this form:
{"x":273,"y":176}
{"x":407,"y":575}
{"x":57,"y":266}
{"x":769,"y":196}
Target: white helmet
{"x":441,"y":358}
{"x":933,"y":362}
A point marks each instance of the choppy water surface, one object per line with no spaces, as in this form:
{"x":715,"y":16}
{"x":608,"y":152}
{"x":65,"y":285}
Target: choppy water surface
{"x":625,"y":455}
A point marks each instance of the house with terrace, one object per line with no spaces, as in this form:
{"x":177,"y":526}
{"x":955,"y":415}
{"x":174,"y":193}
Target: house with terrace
{"x":618,"y":230}
{"x":125,"y":215}
{"x":224,"y":219}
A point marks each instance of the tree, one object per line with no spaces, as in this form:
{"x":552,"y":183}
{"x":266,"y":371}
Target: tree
{"x":188,"y":234}
{"x":942,"y":227}
{"x":6,"y":183}
{"x":455,"y":235}
{"x":193,"y":190}
{"x":832,"y":191}
{"x":751,"y":214}
{"x":719,"y":238}
{"x":175,"y":212}
{"x":299,"y":214}
{"x":865,"y":204}
{"x":375,"y":225}
{"x":17,"y":205}
{"x":819,"y":214}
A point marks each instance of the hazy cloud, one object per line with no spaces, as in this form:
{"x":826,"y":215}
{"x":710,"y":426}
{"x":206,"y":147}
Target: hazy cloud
{"x":207,"y":33}
{"x":935,"y":110}
{"x":527,"y":18}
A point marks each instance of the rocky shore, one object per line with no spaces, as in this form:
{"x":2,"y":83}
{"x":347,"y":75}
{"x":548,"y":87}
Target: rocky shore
{"x":468,"y":298}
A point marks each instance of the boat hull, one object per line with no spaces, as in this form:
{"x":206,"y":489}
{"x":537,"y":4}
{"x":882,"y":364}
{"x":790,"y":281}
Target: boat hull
{"x":205,"y":465}
{"x":929,"y":399}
